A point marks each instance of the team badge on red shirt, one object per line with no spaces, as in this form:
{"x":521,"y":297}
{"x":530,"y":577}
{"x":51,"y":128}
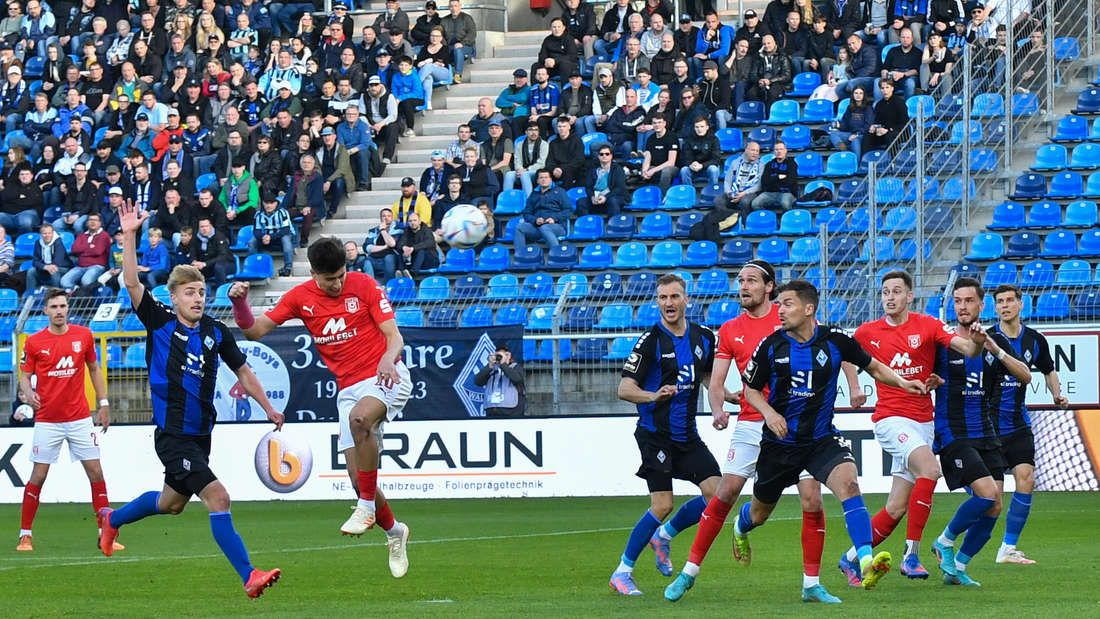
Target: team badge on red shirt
{"x":76,"y":346}
{"x":914,"y":341}
{"x":352,"y":305}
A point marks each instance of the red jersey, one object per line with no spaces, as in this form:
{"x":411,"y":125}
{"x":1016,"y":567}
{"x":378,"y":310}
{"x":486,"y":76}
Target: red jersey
{"x":909,"y":350}
{"x":59,"y":362}
{"x":344,"y":328}
{"x":738,"y":339}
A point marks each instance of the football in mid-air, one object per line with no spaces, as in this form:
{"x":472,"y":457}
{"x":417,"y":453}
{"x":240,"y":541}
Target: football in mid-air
{"x":464,"y":226}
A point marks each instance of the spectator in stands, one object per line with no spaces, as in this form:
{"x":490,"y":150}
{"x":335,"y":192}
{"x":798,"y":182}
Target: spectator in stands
{"x":742,"y":185}
{"x":580,"y":21}
{"x":565,"y":158}
{"x":428,"y":21}
{"x":433,"y":180}
{"x":453,"y":195}
{"x":702,"y":156}
{"x":409,"y":91}
{"x":479,"y":123}
{"x":1030,"y":65}
{"x":49,"y":262}
{"x":460,"y":32}
{"x":605,"y":94}
{"x":530,"y":158}
{"x":794,"y":41}
{"x":90,"y":250}
{"x":622,"y":124}
{"x":141,"y":137}
{"x":891,"y":120}
{"x":632,"y":62}
{"x":848,"y":132}
{"x":740,"y":67}
{"x":79,"y":200}
{"x":605,"y":185}
{"x":902,"y":64}
{"x":289,"y":17}
{"x":15,"y":99}
{"x":504,"y":383}
{"x":381,"y":246}
{"x":575,"y":104}
{"x":348,"y":68}
{"x":335,"y":166}
{"x":21,"y":202}
{"x":543,"y":101}
{"x":10,"y":277}
{"x":663,"y":64}
{"x":343,"y":97}
{"x":173,"y":216}
{"x":613,"y":27}
{"x":862,"y":68}
{"x":179,"y":55}
{"x":208,"y":208}
{"x":480,"y":182}
{"x":544,"y":215}
{"x":514,"y":100}
{"x":772,"y":76}
{"x":944,"y":15}
{"x":354,"y":261}
{"x":664,"y":109}
{"x":210,"y":254}
{"x":714,"y":92}
{"x":820,"y":56}
{"x":306,"y":193}
{"x":155,"y":262}
{"x":558,"y":52}
{"x":380,"y":109}
{"x":651,"y":39}
{"x":37,"y":126}
{"x":496,"y":153}
{"x":907,"y":15}
{"x":459,"y":145}
{"x":284,"y":72}
{"x":657,"y":7}
{"x":412,"y":201}
{"x":392,"y":18}
{"x":240,"y":195}
{"x":778,"y":182}
{"x":37,"y":30}
{"x":936,"y":64}
{"x":417,"y":246}
{"x":715,"y":42}
{"x":273,"y":229}
{"x":647,"y":89}
{"x":659,"y":158}
{"x":355,"y":136}
{"x":434,"y":63}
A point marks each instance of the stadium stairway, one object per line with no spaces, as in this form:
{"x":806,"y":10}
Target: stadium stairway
{"x":435,"y":129}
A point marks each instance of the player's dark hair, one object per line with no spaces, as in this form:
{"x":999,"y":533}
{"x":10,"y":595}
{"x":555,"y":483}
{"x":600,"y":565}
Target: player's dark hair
{"x":1003,"y":288}
{"x":326,"y":255}
{"x":806,"y":292}
{"x":55,"y":292}
{"x":768,"y":271}
{"x":969,"y":282}
{"x":672,"y":278}
{"x":899,"y":274}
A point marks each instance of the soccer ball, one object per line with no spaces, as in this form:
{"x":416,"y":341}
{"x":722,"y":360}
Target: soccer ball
{"x":464,"y":226}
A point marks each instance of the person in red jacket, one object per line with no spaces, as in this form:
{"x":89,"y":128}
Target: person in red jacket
{"x":90,"y":250}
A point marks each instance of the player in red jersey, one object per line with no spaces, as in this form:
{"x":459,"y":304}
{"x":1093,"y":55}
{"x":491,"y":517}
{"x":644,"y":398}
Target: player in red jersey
{"x":353,"y":328}
{"x":906,"y":342}
{"x":737,"y":341}
{"x":57,"y":357}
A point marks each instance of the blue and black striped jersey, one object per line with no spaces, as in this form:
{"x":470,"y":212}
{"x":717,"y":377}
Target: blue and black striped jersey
{"x":962,"y":402}
{"x":1008,"y":400}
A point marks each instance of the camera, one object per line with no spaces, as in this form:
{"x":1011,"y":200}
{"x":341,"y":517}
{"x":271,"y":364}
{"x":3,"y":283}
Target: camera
{"x":498,"y":357}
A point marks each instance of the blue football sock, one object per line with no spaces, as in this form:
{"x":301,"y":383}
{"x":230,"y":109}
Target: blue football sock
{"x":144,"y":505}
{"x":744,"y":522}
{"x":639,"y":537}
{"x":976,"y":537}
{"x":967,"y":514}
{"x":688,"y":515}
{"x":221,"y":525}
{"x":1017,"y":517}
{"x":858,"y":523}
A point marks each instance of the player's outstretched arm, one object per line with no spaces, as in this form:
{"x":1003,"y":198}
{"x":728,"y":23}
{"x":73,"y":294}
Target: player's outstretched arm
{"x":130,"y":221}
{"x":253,"y":327}
{"x":883,"y":374}
{"x":1017,"y":368}
{"x":255,"y":390}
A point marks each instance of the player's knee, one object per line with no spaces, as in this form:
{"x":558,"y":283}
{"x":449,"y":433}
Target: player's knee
{"x":660,"y":508}
{"x":848,"y":489}
{"x":172,"y":508}
{"x":811,"y":503}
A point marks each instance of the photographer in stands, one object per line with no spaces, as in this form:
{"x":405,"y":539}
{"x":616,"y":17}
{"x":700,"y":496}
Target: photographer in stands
{"x":504,"y":382}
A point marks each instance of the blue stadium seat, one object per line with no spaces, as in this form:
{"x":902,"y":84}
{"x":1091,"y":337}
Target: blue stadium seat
{"x":530,"y":259}
{"x":1023,"y":245}
{"x":541,"y":318}
{"x":907,"y":250}
{"x":1090,"y":244}
{"x":1044,"y":215}
{"x":1029,"y":186}
{"x":884,"y":250}
{"x":760,"y":223}
{"x":511,"y":315}
{"x":930,"y":184}
{"x":1071,"y":129}
{"x":503,"y":286}
{"x":995,"y":134}
{"x":562,"y":258}
{"x":814,"y":276}
{"x":135,"y":357}
{"x":836,"y":310}
{"x":959,"y":129}
{"x":244,"y":235}
{"x":804,"y":84}
{"x":952,"y":189}
{"x":775,"y":251}
{"x":843,"y":249}
{"x":587,"y":228}
{"x":1066,"y":185}
{"x":903,"y":164}
{"x":842,"y":107}
{"x":630,"y":255}
{"x":477,"y":316}
{"x":986,"y":246}
{"x":949,"y":106}
{"x":783,"y":112}
{"x":810,"y":165}
{"x":844,"y":163}
{"x":889,"y":190}
{"x":817,"y":111}
{"x":510,"y":202}
{"x":443,"y":317}
{"x":900,"y":219}
{"x":682,"y":229}
{"x":575,"y":194}
{"x":997,"y":273}
{"x":9,"y":300}
{"x":711,"y":283}
{"x":1025,"y":104}
{"x":593,"y":138}
{"x":916,"y":103}
{"x":988,"y":105}
{"x":796,"y":137}
{"x":640,"y":286}
{"x":620,"y":349}
{"x":645,"y":198}
{"x":608,"y":285}
{"x":648,"y":314}
{"x":115,"y":357}
{"x":700,"y":254}
{"x":851,"y":191}
{"x":24,"y":244}
{"x":580,"y":318}
{"x":721,"y":311}
{"x":104,"y":326}
{"x":537,"y":286}
{"x":1086,"y":307}
{"x":808,"y":199}
{"x":679,"y":198}
{"x":509,"y":234}
{"x":736,"y":252}
{"x":655,"y":226}
{"x":1066,"y":49}
{"x":615,"y":317}
{"x":1072,"y":273}
{"x":984,"y":160}
{"x":859,"y":220}
{"x":434,"y":288}
{"x":595,"y":257}
{"x":1051,"y":157}
{"x":764,"y":136}
{"x":730,"y":140}
{"x":667,"y":254}
{"x":221,"y":297}
{"x":879,"y":158}
{"x":1094,"y":134}
{"x":458,"y":261}
{"x":206,"y":181}
{"x":577,"y":284}
{"x":493,"y":259}
{"x":132,"y":323}
{"x":1051,"y":306}
{"x":409,"y":316}
{"x":590,"y":349}
{"x":620,"y":228}
{"x":797,"y":222}
{"x":1085,"y":157}
{"x":34,"y":67}
{"x":749,"y":114}
{"x":1092,"y":185}
{"x":1081,"y":214}
{"x":469,"y":287}
{"x":1059,"y":244}
{"x":1037,"y":274}
{"x":543,"y":351}
{"x":163,"y":295}
{"x":1008,"y":216}
{"x":832,"y":219}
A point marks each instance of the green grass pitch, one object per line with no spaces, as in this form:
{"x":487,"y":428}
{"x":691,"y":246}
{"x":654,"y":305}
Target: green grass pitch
{"x":517,"y":558}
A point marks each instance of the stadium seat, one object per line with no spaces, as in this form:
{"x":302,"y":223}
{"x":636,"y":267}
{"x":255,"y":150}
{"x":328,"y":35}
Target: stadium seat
{"x":1086,"y":307}
{"x":34,"y":67}
{"x":24,"y":244}
{"x":476,"y":316}
{"x":843,"y":249}
{"x":1066,"y":49}
{"x":736,"y":252}
{"x":949,"y":106}
{"x":590,"y":349}
{"x":530,"y":259}
{"x":543,"y":351}
{"x":1085,"y":157}
{"x":655,"y":226}
{"x":859,"y":220}
{"x":1094,"y":134}
{"x":541,"y":318}
{"x":1023,"y":245}
{"x":645,"y":198}
{"x":842,"y":107}
{"x":409,"y":316}
{"x":730,"y":140}
{"x":1059,"y":244}
{"x":749,"y":114}
{"x":538,"y":286}
{"x":1025,"y":104}
{"x":764,"y":136}
{"x":244,"y":235}
{"x":878,"y":158}
{"x":721,"y":311}
{"x":648,"y":314}
{"x":221,"y":297}
{"x":759,"y":223}
{"x":959,"y":129}
{"x":1029,"y":186}
{"x":511,"y":315}
{"x":104,"y":326}
{"x":904,"y":163}
{"x":620,"y":228}
{"x":884,"y":250}
{"x":851,"y":192}
{"x":1072,"y":273}
{"x":711,"y":283}
{"x":952,"y":189}
{"x":1051,"y":306}
{"x":1071,"y":129}
{"x":615,"y":317}
{"x":206,"y":181}
{"x":580,"y":318}
{"x":401,"y":289}
{"x":804,"y":84}
{"x":667,"y":254}
{"x":1090,"y":244}
{"x":775,"y":251}
{"x":809,"y":199}
{"x":700,"y":255}
{"x":796,"y":137}
{"x":640,"y":286}
{"x":630,"y":255}
{"x":930,"y":184}
{"x":1051,"y":157}
{"x":595,"y":257}
{"x":832,"y":219}
{"x":1081,"y":214}
{"x":1092,"y":185}
{"x":577,"y":284}
{"x":984,"y":160}
{"x":434,"y":288}
{"x":587,"y":228}
{"x":900,"y":219}
{"x":918,"y":103}
{"x":493,"y":259}
{"x":682,"y":229}
{"x":906,"y":250}
{"x":469,"y":287}
{"x":135,"y":357}
{"x":1044,"y":215}
{"x":510,"y":202}
{"x":805,"y":250}
{"x":1036,"y":274}
{"x":995,"y":134}
{"x":997,"y":273}
{"x":509,"y":234}
{"x":841,"y":164}
{"x":9,"y":300}
{"x":443,"y":317}
{"x":889,"y":190}
{"x":783,"y":112}
{"x":836,"y":310}
{"x":593,"y":138}
{"x":163,"y":295}
{"x":817,"y":112}
{"x":458,"y":260}
{"x":1008,"y":216}
{"x":986,"y":246}
{"x":503,"y":286}
{"x":132,"y":323}
{"x":620,"y":349}
{"x":1066,"y":185}
{"x":810,"y":165}
{"x":797,"y":222}
{"x":562,"y":258}
{"x":988,"y":105}
{"x":828,"y":282}
{"x":575,"y":194}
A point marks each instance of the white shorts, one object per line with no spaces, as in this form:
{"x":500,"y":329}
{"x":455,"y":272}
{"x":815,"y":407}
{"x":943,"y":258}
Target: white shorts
{"x":81,"y":435}
{"x":394,"y":399}
{"x":745,"y":450}
{"x":900,"y":437}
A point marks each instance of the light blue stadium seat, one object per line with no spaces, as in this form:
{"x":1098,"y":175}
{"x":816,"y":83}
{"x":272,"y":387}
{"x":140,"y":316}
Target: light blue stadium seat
{"x":841,"y":164}
{"x":593,"y":138}
{"x":541,"y":318}
{"x":645,"y":198}
{"x":797,"y":222}
{"x":959,"y":129}
{"x":1025,"y":104}
{"x":997,"y":273}
{"x":587,"y":228}
{"x":796,"y":137}
{"x":1044,"y":215}
{"x":760,"y":223}
{"x":477,"y":316}
{"x":884,"y":250}
{"x":1072,"y":273}
{"x":984,"y":160}
{"x":206,"y":181}
{"x":701,"y":255}
{"x":1066,"y":49}
{"x":807,"y":198}
{"x":721,"y":311}
{"x":648,"y":314}
{"x":132,"y":323}
{"x":510,"y":202}
{"x":804,"y":83}
{"x":988,"y":105}
{"x":953,"y":188}
{"x":221,"y":297}
{"x":1090,"y":243}
{"x":1051,"y":306}
{"x":1081,"y":214}
{"x":889,"y":190}
{"x":859,"y":220}
{"x":401,"y":289}
{"x":503,"y":286}
{"x":458,"y":260}
{"x":9,"y":300}
{"x":680,"y":197}
{"x":409,"y":316}
{"x":916,"y":103}
{"x":832,"y":219}
{"x":1085,"y":157}
{"x":930,"y":185}
{"x":1059,"y":244}
{"x":907,"y":250}
{"x":1051,"y":157}
{"x":711,"y":283}
{"x":615,"y":317}
{"x":1092,"y":185}
{"x":1066,"y":185}
{"x":596,"y":256}
{"x":631,"y":255}
{"x":620,"y":349}
{"x":511,"y":315}
{"x":163,"y":295}
{"x":1071,"y":128}
{"x":730,"y":140}
{"x":809,"y":164}
{"x":434,"y":288}
{"x":24,"y":244}
{"x":667,"y":254}
{"x":826,"y":282}
{"x":817,"y":111}
{"x":986,"y":246}
{"x":135,"y":357}
{"x":1037,"y":274}
{"x":493,"y":259}
{"x":783,"y":112}
{"x":577,"y":283}
{"x":655,"y":226}
{"x":900,"y":219}
{"x":537,"y":286}
{"x":575,"y":194}
{"x":775,"y":251}
{"x":509,"y":234}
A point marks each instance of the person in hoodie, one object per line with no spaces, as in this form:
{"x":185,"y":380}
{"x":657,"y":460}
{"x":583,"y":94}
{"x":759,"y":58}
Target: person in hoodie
{"x":90,"y":250}
{"x":480,"y":182}
{"x":566,"y":159}
{"x":409,"y":90}
{"x":49,"y":262}
{"x":240,"y":194}
{"x":21,"y":202}
{"x":155,"y":262}
{"x":558,"y":52}
{"x":701,"y":155}
{"x":545,"y":214}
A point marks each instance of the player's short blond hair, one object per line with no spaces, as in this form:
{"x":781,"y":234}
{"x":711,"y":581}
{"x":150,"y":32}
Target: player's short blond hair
{"x":184,"y":274}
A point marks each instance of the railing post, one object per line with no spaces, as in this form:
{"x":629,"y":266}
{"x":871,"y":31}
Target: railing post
{"x":1010,"y":89}
{"x":968,"y":85}
{"x":823,"y":264}
{"x":921,"y":155}
{"x":872,"y":229}
{"x":555,"y":330}
{"x":1050,"y":67}
{"x":1090,"y":27}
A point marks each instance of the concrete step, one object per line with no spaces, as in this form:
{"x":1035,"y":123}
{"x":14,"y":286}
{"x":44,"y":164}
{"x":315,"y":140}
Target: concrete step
{"x":526,"y":38}
{"x":497,"y":77}
{"x":412,"y":168}
{"x":449,"y":114}
{"x":516,"y":51}
{"x":511,"y":63}
{"x":439,"y":128}
{"x":479,"y":89}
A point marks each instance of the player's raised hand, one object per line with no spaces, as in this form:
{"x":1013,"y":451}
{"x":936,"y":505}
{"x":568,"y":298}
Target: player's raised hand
{"x":777,"y":424}
{"x":978,"y":334}
{"x":276,"y":418}
{"x":721,"y":420}
{"x":665,"y":392}
{"x":934,"y":381}
{"x":130,"y":217}
{"x":238,"y":289}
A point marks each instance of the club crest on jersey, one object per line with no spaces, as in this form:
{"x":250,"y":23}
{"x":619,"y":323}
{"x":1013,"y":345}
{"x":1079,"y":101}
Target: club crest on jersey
{"x":1027,"y":356}
{"x":77,"y":346}
{"x":914,"y":341}
{"x":822,"y":358}
{"x":351,"y":305}
{"x":661,"y":457}
{"x":208,"y":342}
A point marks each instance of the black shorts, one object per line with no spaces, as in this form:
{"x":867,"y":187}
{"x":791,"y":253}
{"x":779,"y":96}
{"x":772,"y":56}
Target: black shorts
{"x":186,"y":461}
{"x":664,"y":460}
{"x":965,"y":461}
{"x":779,"y":466}
{"x":1018,"y":448}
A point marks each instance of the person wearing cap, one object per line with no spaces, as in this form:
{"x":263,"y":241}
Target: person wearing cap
{"x":434,"y":63}
{"x":530,"y":157}
{"x":411,"y":200}
{"x":576,"y":105}
{"x":752,"y":31}
{"x":433,"y":180}
{"x":354,"y":134}
{"x":773,"y":74}
{"x":398,"y":46}
{"x":140,"y":137}
{"x":273,"y":229}
{"x":15,"y":99}
{"x":335,"y":165}
{"x":686,"y":34}
{"x":384,"y":62}
{"x":580,"y":22}
{"x":284,"y":99}
{"x":479,"y":123}
{"x":558,"y":52}
{"x":496,"y":152}
{"x":460,"y":33}
{"x":715,"y":42}
{"x":162,"y":140}
{"x":513,"y":101}
{"x":379,"y":109}
{"x":605,"y":95}
{"x":424,"y":25}
{"x":393,"y":18}
{"x":543,"y":100}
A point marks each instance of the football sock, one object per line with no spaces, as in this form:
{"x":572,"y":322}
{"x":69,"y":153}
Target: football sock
{"x":744,"y":522}
{"x":920,"y":508}
{"x":221,"y":525}
{"x":882,"y":525}
{"x":975,"y":539}
{"x":967,"y":514}
{"x":858,"y":523}
{"x":99,"y":496}
{"x":813,"y":544}
{"x":638,"y":540}
{"x":1017,"y":517}
{"x":686,"y":516}
{"x":710,"y":525}
{"x":384,"y":517}
{"x":144,"y":505}
{"x":810,"y":581}
{"x":368,"y":487}
{"x":31,"y":494}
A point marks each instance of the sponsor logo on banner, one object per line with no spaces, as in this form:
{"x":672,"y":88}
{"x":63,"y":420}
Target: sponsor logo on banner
{"x":469,"y":393}
{"x":230,"y":400}
{"x":282,"y":463}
